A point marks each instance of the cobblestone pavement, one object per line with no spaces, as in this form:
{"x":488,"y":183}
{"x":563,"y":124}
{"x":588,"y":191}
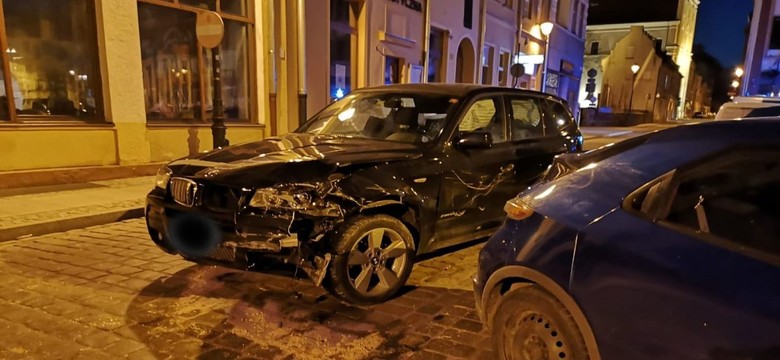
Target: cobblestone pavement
{"x":106,"y":292}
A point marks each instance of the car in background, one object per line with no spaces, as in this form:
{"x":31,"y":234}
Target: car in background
{"x":664,"y":246}
{"x":749,"y":107}
{"x":369,"y":183}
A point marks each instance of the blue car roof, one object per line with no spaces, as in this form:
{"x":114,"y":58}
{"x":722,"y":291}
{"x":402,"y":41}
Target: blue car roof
{"x":600,"y":186}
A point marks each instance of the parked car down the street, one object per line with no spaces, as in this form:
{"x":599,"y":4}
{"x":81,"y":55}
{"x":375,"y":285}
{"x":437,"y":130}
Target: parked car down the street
{"x":665,"y":246}
{"x":369,"y":183}
{"x":749,"y":107}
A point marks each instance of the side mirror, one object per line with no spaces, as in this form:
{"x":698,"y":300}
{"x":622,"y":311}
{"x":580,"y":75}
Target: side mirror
{"x":474,"y":140}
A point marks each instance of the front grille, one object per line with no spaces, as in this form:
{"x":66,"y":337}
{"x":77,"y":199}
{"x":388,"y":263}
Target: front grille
{"x":183,"y":191}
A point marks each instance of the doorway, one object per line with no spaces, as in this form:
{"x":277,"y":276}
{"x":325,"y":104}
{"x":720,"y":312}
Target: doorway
{"x":464,"y":67}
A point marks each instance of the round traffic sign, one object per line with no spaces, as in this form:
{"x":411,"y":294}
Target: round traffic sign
{"x":209,"y":28}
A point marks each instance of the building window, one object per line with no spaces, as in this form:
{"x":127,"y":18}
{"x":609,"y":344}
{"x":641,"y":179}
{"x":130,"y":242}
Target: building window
{"x":659,"y":45}
{"x":392,"y":70}
{"x":527,"y":6}
{"x":341,"y":45}
{"x":509,"y":4}
{"x":503,"y":67}
{"x":436,"y":56}
{"x":53,"y":62}
{"x":487,"y":65}
{"x":468,"y":13}
{"x":594,"y":48}
{"x":177,"y":71}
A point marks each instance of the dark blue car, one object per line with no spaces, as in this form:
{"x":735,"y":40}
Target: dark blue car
{"x":665,"y":246}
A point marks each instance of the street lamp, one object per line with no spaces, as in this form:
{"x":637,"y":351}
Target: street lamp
{"x":739,"y":72}
{"x":634,"y":70}
{"x":547,"y":29}
{"x":735,"y":84}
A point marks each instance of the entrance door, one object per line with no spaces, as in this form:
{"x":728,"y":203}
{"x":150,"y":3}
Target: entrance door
{"x":465,"y":63}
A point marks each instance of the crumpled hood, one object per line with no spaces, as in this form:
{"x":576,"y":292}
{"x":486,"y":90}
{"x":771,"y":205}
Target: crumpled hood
{"x":289,"y":158}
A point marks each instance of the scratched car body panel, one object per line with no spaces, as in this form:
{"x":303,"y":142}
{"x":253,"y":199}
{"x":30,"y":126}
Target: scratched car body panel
{"x":436,"y":157}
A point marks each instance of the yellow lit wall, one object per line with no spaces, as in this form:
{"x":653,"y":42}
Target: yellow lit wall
{"x":24,"y":149}
{"x":169,"y":143}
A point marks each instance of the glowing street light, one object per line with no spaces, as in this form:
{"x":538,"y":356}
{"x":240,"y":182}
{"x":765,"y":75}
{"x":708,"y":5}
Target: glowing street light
{"x":547,"y":28}
{"x":739,"y":72}
{"x":735,"y":84}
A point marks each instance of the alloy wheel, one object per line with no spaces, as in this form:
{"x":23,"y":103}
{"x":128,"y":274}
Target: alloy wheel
{"x":376,"y":261}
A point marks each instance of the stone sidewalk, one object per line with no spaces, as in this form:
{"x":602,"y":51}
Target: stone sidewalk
{"x":42,"y":210}
{"x":107,"y":292}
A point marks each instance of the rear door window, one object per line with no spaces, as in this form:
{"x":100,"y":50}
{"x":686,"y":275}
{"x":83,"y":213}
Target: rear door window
{"x":525,"y":116}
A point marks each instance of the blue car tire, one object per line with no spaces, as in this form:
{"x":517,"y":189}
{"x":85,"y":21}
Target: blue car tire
{"x":529,"y":323}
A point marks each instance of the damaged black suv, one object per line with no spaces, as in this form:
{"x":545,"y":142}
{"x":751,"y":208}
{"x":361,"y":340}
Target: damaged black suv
{"x":366,"y":185}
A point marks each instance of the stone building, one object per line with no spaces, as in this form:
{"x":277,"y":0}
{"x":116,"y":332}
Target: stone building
{"x":671,"y":23}
{"x":626,"y":98}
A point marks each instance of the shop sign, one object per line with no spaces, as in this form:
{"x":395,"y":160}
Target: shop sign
{"x":552,"y":80}
{"x":567,"y":67}
{"x":529,"y":59}
{"x":415,"y":5}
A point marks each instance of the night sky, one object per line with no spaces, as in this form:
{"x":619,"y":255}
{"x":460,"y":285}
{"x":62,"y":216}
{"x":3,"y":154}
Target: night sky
{"x":720,"y":27}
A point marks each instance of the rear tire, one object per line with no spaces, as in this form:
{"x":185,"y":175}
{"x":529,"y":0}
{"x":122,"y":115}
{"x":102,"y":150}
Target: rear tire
{"x":531,"y":324}
{"x":374,"y":256}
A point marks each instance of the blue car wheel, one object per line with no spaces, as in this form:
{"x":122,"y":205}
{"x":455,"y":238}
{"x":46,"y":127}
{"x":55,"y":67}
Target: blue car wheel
{"x":530,"y":323}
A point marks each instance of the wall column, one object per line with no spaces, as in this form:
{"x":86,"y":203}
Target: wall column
{"x":119,"y":42}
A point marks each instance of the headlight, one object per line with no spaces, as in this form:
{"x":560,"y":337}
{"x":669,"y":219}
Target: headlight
{"x":163,"y":176}
{"x":273,"y":198}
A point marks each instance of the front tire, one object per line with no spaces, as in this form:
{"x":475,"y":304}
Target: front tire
{"x":374,"y":257}
{"x":531,"y":324}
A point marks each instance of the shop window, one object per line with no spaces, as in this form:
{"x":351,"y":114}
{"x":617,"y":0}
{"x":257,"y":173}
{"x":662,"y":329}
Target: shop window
{"x":202,"y":4}
{"x":178,"y":71}
{"x":235,"y":72}
{"x":52,"y":56}
{"x":234,"y":7}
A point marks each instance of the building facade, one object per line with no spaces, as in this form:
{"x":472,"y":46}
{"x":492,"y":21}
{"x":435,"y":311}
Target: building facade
{"x":762,"y":55}
{"x":117,"y":82}
{"x":649,"y":95}
{"x":126,"y":82}
{"x":671,"y":23}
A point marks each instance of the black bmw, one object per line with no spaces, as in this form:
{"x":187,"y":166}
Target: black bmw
{"x":366,"y":185}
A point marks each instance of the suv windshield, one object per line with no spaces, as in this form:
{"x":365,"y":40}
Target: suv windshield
{"x":401,"y":117}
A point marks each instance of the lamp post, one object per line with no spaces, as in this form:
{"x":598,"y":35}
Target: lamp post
{"x":547,"y":29}
{"x":738,"y":72}
{"x":634,"y":70}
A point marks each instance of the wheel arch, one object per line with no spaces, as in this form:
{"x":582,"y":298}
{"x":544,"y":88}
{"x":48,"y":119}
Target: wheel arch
{"x":503,"y":279}
{"x":397,"y":209}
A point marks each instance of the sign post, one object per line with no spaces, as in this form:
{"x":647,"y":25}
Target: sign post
{"x":209,"y":29}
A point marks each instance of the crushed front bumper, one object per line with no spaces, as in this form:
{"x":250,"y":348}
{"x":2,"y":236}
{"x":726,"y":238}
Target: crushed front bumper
{"x":243,"y":238}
